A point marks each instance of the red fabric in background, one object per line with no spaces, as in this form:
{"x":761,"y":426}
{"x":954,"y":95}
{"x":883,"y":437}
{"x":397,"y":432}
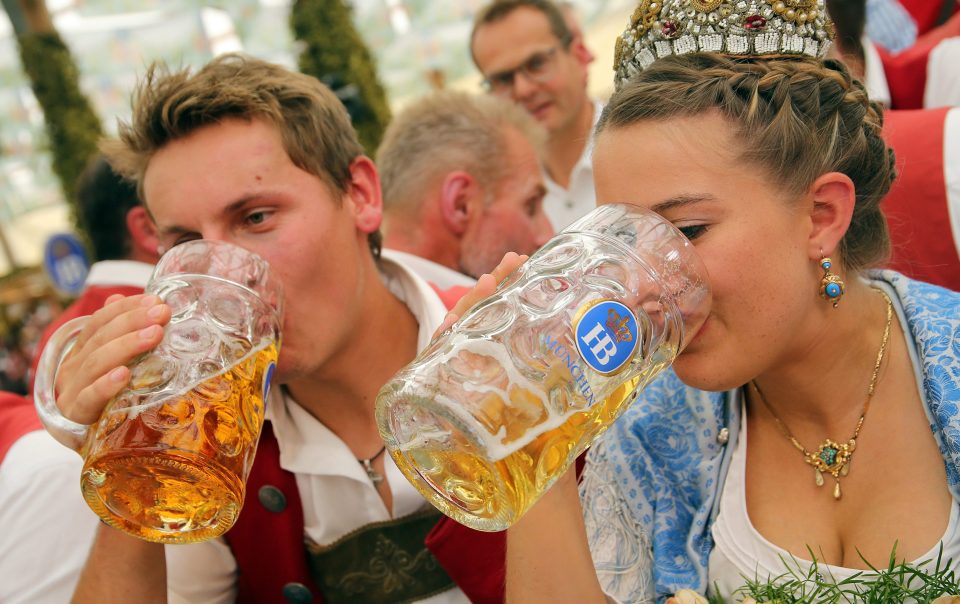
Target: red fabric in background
{"x":17,"y":417}
{"x":926,"y":12}
{"x":906,"y":71}
{"x":916,"y":207}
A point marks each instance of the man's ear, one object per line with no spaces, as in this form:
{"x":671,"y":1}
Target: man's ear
{"x":363,"y":191}
{"x":834,"y":198}
{"x":144,"y":242}
{"x":580,"y":51}
{"x":458,"y":192}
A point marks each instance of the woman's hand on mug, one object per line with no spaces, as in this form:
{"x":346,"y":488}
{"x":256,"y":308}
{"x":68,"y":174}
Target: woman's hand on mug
{"x":95,"y":368}
{"x":486,"y":285}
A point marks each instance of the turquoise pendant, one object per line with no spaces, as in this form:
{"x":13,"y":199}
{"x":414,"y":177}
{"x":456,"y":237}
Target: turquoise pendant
{"x":831,"y":458}
{"x":828,"y":455}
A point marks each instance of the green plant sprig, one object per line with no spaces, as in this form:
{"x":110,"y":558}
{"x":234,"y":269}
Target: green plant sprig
{"x":898,"y":582}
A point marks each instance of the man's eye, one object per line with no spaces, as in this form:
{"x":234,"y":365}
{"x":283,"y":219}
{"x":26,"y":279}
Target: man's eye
{"x":257,"y":217}
{"x":536,"y":63}
{"x":501,"y":80}
{"x":693,"y":231}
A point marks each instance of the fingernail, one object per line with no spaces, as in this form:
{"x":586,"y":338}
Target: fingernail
{"x":156,"y":312}
{"x":148,"y":333}
{"x":150,"y":301}
{"x":118,"y":374}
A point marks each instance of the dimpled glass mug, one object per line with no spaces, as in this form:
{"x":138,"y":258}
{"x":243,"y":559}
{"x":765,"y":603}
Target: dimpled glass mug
{"x":496,"y":409}
{"x":169,"y":457}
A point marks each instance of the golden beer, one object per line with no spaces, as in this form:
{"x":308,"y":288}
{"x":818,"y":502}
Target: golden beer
{"x":491,"y":494}
{"x":173,"y":470}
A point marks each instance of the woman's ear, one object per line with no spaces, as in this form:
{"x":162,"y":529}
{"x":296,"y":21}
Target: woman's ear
{"x":834,"y":199}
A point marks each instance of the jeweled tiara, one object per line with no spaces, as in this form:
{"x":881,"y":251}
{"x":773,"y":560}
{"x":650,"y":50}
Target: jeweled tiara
{"x":659,"y":28}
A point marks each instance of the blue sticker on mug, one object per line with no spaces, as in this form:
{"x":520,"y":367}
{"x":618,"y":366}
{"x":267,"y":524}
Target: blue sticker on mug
{"x":267,"y":379}
{"x":607,"y":336}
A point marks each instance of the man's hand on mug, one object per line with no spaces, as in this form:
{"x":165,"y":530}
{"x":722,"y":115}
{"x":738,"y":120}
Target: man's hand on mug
{"x":486,"y":285}
{"x":95,"y":368}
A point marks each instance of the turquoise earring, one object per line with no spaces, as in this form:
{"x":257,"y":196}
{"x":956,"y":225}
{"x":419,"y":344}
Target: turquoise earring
{"x":831,"y":285}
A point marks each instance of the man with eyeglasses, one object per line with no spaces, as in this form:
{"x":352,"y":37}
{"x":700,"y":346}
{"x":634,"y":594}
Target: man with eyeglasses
{"x":526,"y":52}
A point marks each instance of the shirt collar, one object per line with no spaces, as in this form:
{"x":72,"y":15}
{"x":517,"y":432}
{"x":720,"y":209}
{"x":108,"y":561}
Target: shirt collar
{"x":437,"y":274}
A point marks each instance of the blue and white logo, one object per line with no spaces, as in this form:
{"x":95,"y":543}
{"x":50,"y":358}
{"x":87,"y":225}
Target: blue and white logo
{"x":607,"y":336}
{"x":65,"y":261}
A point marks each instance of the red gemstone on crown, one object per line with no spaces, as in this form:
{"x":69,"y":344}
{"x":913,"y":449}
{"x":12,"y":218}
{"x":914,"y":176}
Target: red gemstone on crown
{"x":669,"y":29}
{"x":754,"y":22}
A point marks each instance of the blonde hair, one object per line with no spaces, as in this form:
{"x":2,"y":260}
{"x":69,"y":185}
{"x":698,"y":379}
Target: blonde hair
{"x":447,"y":131}
{"x":795,"y":118}
{"x":169,"y":105}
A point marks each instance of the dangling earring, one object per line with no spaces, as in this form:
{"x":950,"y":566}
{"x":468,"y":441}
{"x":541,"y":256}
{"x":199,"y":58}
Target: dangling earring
{"x":831,"y":285}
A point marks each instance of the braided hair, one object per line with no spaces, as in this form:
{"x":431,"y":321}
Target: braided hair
{"x":797,"y":119}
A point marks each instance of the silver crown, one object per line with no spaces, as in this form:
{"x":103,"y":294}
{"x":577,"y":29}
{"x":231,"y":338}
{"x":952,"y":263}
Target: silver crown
{"x":745,"y":28}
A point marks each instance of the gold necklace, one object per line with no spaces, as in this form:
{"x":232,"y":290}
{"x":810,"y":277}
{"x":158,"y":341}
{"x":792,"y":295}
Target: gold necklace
{"x":833,"y":457}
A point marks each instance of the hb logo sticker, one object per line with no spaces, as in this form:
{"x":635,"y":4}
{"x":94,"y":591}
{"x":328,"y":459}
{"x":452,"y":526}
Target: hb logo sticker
{"x":607,"y":336}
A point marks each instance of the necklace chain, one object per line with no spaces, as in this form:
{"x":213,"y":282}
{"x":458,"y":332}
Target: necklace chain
{"x":832,"y":457}
{"x":375,"y":477}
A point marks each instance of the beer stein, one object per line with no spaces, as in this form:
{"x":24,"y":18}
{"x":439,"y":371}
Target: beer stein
{"x":169,"y":457}
{"x":494,"y":410}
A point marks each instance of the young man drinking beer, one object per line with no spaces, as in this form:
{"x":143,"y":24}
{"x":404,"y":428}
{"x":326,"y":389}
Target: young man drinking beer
{"x":250,"y":153}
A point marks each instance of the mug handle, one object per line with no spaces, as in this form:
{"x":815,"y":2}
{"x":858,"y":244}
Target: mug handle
{"x":67,"y":432}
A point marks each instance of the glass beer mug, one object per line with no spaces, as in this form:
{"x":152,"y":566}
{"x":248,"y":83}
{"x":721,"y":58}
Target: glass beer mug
{"x":169,"y":457}
{"x":496,"y":409}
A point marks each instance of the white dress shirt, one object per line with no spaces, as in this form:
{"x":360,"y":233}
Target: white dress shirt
{"x":563,"y":206}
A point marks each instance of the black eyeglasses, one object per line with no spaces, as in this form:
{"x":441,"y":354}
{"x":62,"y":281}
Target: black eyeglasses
{"x":537,"y":68}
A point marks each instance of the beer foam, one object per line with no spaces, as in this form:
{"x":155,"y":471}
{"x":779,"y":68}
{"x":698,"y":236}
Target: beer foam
{"x":134,"y":411}
{"x":493,"y":444}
